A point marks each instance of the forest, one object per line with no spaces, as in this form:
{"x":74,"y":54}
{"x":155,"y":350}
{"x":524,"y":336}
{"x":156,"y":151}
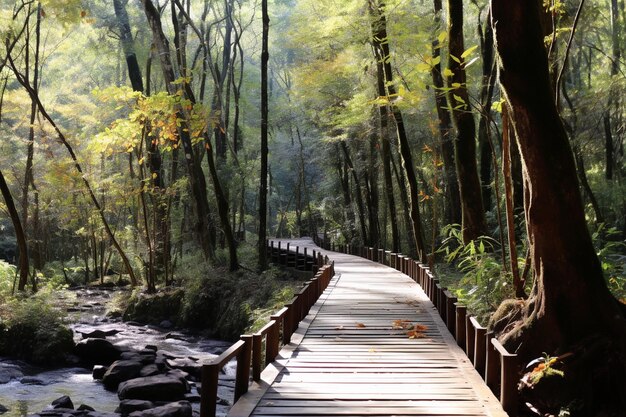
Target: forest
{"x":150,"y":148}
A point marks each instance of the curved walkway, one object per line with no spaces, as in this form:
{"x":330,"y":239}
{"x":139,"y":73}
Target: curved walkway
{"x":373,"y":345}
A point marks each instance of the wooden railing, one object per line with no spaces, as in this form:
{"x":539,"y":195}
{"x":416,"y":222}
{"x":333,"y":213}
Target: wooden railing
{"x":249,"y":350}
{"x":499,"y":368}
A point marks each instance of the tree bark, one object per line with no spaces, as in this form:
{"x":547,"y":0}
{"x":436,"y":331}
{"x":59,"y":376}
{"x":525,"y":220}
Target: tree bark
{"x":381,"y":47}
{"x":194,"y":170}
{"x":19,"y":234}
{"x":473,"y":223}
{"x":453,"y":200}
{"x":570,"y":299}
{"x":262,"y":244}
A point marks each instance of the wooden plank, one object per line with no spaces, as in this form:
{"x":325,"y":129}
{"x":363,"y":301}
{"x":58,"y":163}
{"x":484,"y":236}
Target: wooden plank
{"x":349,"y":359}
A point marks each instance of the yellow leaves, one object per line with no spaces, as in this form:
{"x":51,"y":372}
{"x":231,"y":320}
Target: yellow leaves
{"x":417,"y":332}
{"x":468,"y":51}
{"x":413,"y":331}
{"x":447,"y":72}
{"x":402,"y":324}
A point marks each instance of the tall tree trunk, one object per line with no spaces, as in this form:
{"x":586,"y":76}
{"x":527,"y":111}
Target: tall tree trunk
{"x":570,"y":300}
{"x":30,"y":149}
{"x":453,"y":200}
{"x":262,"y":245}
{"x":381,"y":46}
{"x":19,"y":234}
{"x":194,"y":170}
{"x":357,"y":191}
{"x":486,"y":96}
{"x":473,"y":214}
{"x":373,"y":205}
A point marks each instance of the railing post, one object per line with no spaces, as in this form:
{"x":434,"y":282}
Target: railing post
{"x":271,"y":343}
{"x":451,"y":312}
{"x":461,"y":312}
{"x":492,"y":365}
{"x":257,"y":348}
{"x":480,"y":354}
{"x":208,"y":390}
{"x":243,"y":368}
{"x":469,"y":338}
{"x":508,"y":388}
{"x":287,"y":323}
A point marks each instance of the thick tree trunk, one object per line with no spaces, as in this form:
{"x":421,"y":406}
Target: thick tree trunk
{"x":473,"y":215}
{"x":570,"y":300}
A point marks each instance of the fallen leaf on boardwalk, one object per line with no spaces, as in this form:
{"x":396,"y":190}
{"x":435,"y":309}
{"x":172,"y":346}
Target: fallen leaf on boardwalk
{"x":414,"y":334}
{"x":401,"y":324}
{"x":269,"y":403}
{"x":339,"y":328}
{"x":417,"y":331}
{"x":373,"y":350}
{"x":360,"y":325}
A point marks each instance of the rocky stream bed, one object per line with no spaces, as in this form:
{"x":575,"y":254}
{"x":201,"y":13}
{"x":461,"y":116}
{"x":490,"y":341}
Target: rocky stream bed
{"x":119,"y":368}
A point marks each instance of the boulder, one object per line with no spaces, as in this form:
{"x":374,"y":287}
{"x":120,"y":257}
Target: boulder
{"x":128,"y":406}
{"x":187,"y":365}
{"x":153,"y":388}
{"x":96,"y":334}
{"x":8,"y":372}
{"x":153,"y":348}
{"x":99,"y":371}
{"x":177,"y":409}
{"x":85,"y":407}
{"x":121,"y":371}
{"x":150,"y":370}
{"x":144,"y":358}
{"x":3,"y":409}
{"x":98,"y":351}
{"x":31,"y":380}
{"x":166,"y":324}
{"x":63,"y":402}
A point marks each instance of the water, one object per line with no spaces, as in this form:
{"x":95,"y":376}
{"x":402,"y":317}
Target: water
{"x":23,"y":399}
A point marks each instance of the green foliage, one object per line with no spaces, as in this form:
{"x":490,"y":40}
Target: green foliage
{"x":484,"y":284}
{"x":612,"y":254}
{"x":33,"y":329}
{"x":154,"y":308}
{"x":545,"y":369}
{"x":223,"y":302}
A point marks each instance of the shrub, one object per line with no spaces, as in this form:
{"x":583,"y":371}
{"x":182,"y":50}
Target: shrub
{"x":34,"y":330}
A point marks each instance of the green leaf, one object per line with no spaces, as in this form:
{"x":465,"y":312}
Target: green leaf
{"x":442,"y":37}
{"x":468,"y":51}
{"x":448,"y":73}
{"x":458,"y":99}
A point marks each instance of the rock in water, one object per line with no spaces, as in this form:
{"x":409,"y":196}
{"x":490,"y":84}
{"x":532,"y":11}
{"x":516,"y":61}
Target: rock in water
{"x":3,"y":409}
{"x":99,"y":371}
{"x":63,"y":402}
{"x":85,"y":407}
{"x":96,"y":334}
{"x":177,"y":409}
{"x":153,"y":388}
{"x":97,"y":351}
{"x":121,"y":371}
{"x":128,"y":406}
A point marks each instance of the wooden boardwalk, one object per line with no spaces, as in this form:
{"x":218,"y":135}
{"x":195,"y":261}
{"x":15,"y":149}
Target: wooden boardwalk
{"x":353,"y":356}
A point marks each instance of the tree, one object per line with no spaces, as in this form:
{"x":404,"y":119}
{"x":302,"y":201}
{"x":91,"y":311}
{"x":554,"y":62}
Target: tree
{"x":570,"y":308}
{"x":472,"y":211}
{"x":262,"y":243}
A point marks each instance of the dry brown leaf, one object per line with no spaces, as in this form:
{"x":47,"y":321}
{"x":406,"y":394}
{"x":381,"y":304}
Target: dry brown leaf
{"x":339,"y":328}
{"x":360,"y":325}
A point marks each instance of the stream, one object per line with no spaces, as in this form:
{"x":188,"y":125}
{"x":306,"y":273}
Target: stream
{"x":26,"y":389}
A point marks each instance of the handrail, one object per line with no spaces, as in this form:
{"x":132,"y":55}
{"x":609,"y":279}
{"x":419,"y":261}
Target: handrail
{"x":494,"y":363}
{"x":249,"y":349}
